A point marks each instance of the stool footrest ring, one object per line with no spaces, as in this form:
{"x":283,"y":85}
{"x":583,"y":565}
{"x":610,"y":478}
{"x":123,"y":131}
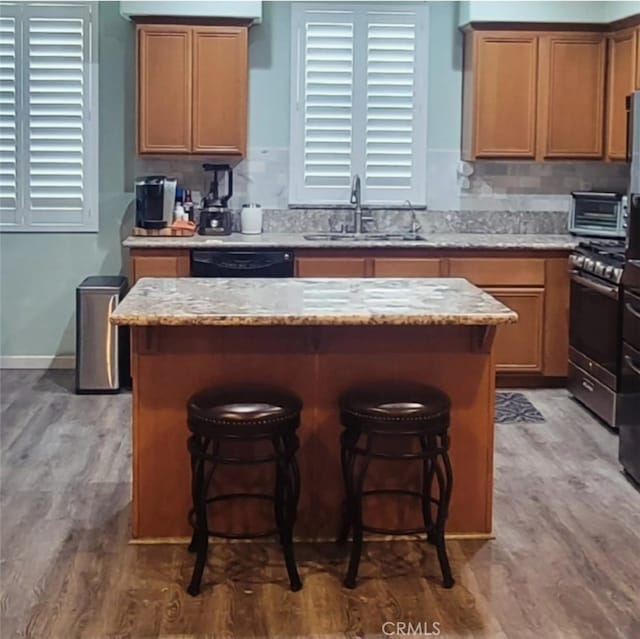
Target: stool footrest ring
{"x":229,"y":497}
{"x":397,"y":531}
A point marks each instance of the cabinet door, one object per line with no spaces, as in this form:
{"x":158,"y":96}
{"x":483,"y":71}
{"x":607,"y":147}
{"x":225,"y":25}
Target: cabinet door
{"x":175,"y":264}
{"x":405,"y":267}
{"x":164,"y":89}
{"x":220,"y":90}
{"x":331,"y":267}
{"x":637,"y":58}
{"x":518,"y":347}
{"x":505,"y":77}
{"x":571,"y":65}
{"x":621,"y":80}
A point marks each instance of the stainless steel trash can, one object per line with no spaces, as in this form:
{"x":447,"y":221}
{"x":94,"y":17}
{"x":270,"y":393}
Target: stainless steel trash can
{"x":101,"y":349}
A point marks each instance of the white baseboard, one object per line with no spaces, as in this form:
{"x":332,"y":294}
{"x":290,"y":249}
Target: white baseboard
{"x":37,"y":361}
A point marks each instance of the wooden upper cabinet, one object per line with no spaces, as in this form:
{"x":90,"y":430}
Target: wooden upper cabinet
{"x":500,"y":94}
{"x":571,"y":64}
{"x":192,"y":89}
{"x":622,"y":79}
{"x":637,"y":58}
{"x":220,"y":90}
{"x":164,"y":89}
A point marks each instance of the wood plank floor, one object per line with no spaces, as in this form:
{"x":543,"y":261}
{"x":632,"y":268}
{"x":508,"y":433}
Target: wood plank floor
{"x":565,"y":562}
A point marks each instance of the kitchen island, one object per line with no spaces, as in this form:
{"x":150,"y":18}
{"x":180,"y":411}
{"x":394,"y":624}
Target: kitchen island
{"x":315,"y":337}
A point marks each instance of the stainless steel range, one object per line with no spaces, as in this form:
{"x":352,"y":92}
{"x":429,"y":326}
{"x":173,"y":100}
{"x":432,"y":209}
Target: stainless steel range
{"x":595,"y":332}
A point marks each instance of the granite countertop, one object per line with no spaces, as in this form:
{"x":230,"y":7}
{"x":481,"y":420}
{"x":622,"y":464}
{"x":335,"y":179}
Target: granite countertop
{"x":316,"y":302}
{"x":502,"y":241}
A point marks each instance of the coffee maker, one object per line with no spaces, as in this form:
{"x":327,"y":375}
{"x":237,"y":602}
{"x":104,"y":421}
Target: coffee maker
{"x":155,"y":199}
{"x":215,"y":216}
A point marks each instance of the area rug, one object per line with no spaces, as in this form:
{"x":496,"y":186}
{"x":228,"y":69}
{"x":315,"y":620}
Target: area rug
{"x":515,"y":408}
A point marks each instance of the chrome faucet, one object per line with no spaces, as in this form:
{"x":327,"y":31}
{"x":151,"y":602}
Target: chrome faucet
{"x":415,"y":225}
{"x":358,"y":217}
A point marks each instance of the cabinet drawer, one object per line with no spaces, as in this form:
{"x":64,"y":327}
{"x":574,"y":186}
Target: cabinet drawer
{"x":491,"y":271}
{"x":331,"y":267}
{"x":405,"y":267}
{"x":169,"y":264}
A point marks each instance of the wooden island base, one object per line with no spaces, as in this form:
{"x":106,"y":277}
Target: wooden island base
{"x":169,"y":363}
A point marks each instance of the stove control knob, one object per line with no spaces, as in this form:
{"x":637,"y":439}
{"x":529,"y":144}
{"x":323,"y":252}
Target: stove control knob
{"x":577,"y":260}
{"x":589,"y":264}
{"x":608,"y":272}
{"x":617,"y":274}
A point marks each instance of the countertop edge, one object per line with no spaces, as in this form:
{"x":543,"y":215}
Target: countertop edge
{"x":468,"y":241}
{"x":167,"y":321}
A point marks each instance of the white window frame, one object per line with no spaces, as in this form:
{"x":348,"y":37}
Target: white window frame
{"x":23,"y":221}
{"x":304,"y":195}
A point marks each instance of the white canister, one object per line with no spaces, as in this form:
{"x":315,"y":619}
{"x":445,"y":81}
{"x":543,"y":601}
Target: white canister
{"x":251,"y":219}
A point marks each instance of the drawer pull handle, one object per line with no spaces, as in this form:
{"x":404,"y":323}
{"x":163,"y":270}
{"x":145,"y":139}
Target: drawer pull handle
{"x":588,"y":385}
{"x":630,"y":363}
{"x":634,"y":311}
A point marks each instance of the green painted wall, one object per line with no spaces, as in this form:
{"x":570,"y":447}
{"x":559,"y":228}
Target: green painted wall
{"x":40,"y":271}
{"x":269,"y":63}
{"x":269,"y":76}
{"x":618,"y":9}
{"x":546,"y":11}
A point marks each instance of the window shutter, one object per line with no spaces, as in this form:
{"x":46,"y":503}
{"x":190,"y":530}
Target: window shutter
{"x":359,"y":103}
{"x":58,"y":117}
{"x":48,"y":168}
{"x":8,"y":119}
{"x":328,"y":81}
{"x":322,"y":110}
{"x":390,"y":105}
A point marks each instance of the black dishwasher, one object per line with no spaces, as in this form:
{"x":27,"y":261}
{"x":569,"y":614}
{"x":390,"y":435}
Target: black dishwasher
{"x":241,"y":263}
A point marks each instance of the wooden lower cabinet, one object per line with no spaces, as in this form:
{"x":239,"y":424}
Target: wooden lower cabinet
{"x":535,"y":285}
{"x":331,"y":267}
{"x":519,"y":347}
{"x":159,"y":263}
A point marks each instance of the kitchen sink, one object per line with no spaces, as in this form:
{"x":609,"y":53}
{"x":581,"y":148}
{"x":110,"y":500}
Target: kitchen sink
{"x":363,"y":237}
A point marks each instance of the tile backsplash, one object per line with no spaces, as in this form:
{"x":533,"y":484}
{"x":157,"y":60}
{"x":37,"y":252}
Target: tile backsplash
{"x":471,"y":197}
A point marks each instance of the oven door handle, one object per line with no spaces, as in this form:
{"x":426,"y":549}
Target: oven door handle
{"x":609,"y":291}
{"x":631,"y":308}
{"x":631,"y":364}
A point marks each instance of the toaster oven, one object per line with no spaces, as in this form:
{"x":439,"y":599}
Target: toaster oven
{"x":598,"y":214}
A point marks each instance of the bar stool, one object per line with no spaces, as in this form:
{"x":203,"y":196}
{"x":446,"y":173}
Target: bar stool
{"x":219,"y":416}
{"x":370,"y":416}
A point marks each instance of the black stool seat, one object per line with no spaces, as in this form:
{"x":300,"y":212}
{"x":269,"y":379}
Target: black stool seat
{"x":396,"y":408}
{"x":372,"y":415}
{"x":220,"y":420}
{"x":243,"y":412}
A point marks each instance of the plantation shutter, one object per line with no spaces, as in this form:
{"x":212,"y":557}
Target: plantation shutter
{"x":8,"y":121}
{"x":359,"y":103}
{"x":56,"y":144}
{"x":391,"y":158}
